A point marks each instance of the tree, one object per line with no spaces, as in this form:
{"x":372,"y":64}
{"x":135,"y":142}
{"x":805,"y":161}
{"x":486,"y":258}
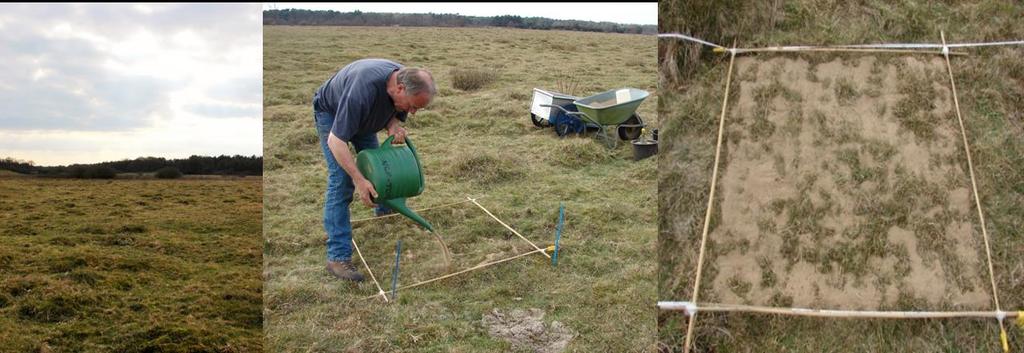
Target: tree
{"x":359,"y":18}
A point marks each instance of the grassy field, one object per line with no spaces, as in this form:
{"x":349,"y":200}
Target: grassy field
{"x":474,"y":142}
{"x":130,"y":265}
{"x":929,"y":261}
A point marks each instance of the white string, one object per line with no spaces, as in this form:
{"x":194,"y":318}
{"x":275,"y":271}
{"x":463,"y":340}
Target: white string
{"x":859,"y":46}
{"x":686,"y":37}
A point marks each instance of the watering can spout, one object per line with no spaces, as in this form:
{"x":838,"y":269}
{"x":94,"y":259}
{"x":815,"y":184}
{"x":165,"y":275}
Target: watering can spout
{"x":398,"y":204}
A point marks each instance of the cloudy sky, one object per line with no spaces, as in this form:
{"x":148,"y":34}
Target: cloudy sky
{"x":92,"y":83}
{"x":628,"y":13}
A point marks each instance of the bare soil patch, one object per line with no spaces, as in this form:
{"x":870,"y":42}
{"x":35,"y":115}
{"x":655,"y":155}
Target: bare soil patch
{"x":844,"y":186}
{"x":525,"y":329}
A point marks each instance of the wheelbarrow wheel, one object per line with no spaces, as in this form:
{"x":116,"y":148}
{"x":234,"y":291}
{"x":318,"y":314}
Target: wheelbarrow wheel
{"x":631,"y":128}
{"x":537,"y":121}
{"x":562,"y":129}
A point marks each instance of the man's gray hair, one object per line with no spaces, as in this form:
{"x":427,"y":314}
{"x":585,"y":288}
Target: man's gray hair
{"x":415,"y":83}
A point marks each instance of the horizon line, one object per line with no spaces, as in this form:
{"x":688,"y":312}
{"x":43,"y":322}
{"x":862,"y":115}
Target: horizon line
{"x":19,"y":160}
{"x":455,"y":14}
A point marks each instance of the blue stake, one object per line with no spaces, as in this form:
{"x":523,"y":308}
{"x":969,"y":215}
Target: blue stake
{"x":394,"y":270}
{"x":558,"y":232}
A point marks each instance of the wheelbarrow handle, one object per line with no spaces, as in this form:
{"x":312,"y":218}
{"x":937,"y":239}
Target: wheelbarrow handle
{"x":560,"y":108}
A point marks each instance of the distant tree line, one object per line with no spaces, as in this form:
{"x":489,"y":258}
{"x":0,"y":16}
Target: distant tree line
{"x":220,"y":165}
{"x":297,"y":17}
{"x":17,"y":165}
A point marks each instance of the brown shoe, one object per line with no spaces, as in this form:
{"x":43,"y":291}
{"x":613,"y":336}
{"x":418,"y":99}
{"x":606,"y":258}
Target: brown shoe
{"x":344,"y":270}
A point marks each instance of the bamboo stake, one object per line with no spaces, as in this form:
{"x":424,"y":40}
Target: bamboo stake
{"x":934,"y":46}
{"x":862,"y":314}
{"x":977,"y":199}
{"x":537,"y":248}
{"x":856,"y":46}
{"x":474,"y":268}
{"x":417,"y":210}
{"x":380,"y":291}
{"x":711,"y":201}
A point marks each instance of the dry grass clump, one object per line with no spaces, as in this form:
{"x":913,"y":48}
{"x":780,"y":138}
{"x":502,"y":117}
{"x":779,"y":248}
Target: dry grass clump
{"x":472,"y":79}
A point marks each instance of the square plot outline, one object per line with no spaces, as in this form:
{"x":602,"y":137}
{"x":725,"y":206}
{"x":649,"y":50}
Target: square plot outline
{"x":691,"y":307}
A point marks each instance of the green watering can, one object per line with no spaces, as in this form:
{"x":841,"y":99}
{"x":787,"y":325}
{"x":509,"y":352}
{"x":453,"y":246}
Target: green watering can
{"x":396,"y":174}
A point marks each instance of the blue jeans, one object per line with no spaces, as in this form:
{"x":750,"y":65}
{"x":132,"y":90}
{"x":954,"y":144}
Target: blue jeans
{"x":337,"y":219}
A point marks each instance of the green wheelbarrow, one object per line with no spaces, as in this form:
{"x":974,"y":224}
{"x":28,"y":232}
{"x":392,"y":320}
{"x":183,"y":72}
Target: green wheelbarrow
{"x":616,"y":107}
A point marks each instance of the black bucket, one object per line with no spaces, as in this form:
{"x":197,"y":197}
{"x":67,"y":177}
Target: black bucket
{"x":644,"y":148}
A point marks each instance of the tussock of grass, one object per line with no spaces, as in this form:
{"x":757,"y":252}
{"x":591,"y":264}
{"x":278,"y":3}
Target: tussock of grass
{"x":846,"y":92}
{"x":761,"y":128}
{"x":578,"y":153}
{"x":472,"y":79}
{"x":484,"y":169}
{"x":739,"y":286}
{"x":914,"y":111}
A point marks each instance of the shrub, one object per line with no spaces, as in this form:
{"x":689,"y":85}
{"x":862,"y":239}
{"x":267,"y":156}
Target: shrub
{"x":168,"y":173}
{"x":91,"y":172}
{"x":472,"y":79}
{"x":101,"y":172}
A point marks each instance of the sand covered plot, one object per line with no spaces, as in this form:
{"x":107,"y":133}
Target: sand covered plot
{"x":844,"y":185}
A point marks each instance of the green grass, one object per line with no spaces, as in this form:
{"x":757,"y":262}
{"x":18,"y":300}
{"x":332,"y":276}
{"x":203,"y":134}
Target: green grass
{"x":846,"y":92}
{"x":914,"y":111}
{"x":989,"y":85}
{"x":480,"y":143}
{"x":130,"y":265}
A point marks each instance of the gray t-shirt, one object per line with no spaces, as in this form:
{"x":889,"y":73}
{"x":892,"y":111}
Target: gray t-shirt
{"x":358,"y":97}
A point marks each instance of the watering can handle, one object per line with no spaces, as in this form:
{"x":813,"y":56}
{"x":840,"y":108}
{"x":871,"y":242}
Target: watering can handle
{"x":387,"y":142}
{"x":408,"y":141}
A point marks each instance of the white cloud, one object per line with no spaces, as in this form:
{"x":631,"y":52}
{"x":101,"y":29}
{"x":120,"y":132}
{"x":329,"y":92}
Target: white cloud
{"x":89,"y":82}
{"x":181,"y":139}
{"x":224,"y":110}
{"x":143,"y":8}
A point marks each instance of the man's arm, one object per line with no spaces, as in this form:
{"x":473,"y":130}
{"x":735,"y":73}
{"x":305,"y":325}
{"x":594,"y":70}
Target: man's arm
{"x":344,"y":157}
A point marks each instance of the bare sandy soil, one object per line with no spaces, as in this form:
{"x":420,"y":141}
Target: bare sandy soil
{"x":526,"y":330}
{"x":844,"y":185}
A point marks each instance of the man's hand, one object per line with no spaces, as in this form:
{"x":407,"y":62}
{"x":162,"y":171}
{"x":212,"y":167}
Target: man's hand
{"x":365,"y":189}
{"x":344,"y":158}
{"x":396,"y":130}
